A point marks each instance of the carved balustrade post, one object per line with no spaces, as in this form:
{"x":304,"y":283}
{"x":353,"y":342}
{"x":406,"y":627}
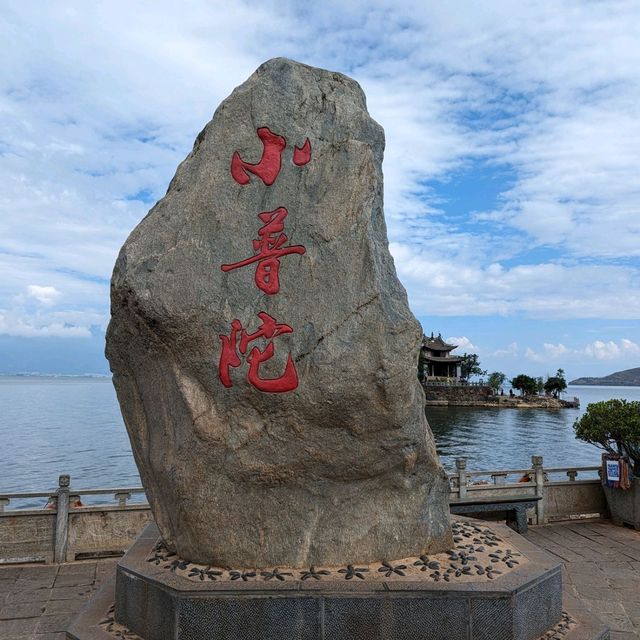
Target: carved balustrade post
{"x":122,"y":497}
{"x":461,"y":468}
{"x":62,"y":519}
{"x":536,"y":465}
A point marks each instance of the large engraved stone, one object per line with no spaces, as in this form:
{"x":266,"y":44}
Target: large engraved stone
{"x":273,"y":406}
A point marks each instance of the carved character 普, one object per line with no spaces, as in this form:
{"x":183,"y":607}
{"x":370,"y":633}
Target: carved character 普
{"x":269,"y":248}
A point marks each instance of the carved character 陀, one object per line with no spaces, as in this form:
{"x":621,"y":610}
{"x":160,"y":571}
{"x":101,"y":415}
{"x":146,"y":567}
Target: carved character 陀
{"x":232,"y":348}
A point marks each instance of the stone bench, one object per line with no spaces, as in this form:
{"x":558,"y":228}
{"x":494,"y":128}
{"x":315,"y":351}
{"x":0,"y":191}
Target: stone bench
{"x":515,"y":507}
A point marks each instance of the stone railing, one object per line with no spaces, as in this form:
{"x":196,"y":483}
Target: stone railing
{"x":437,"y":381}
{"x":60,"y":530}
{"x":567,"y":492}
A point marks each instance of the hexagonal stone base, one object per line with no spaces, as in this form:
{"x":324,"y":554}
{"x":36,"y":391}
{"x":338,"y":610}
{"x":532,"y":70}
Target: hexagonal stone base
{"x":155,"y":603}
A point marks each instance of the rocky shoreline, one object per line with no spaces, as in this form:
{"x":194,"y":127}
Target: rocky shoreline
{"x":442,"y":396}
{"x":507,"y":403}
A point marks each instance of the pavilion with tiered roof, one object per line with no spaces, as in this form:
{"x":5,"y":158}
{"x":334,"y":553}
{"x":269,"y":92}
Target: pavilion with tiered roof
{"x":437,"y":361}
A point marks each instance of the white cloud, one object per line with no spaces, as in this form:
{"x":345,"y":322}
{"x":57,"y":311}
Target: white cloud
{"x":511,"y":351}
{"x":463,"y":344}
{"x":612,"y":350}
{"x":622,"y":350}
{"x":39,"y":310}
{"x":459,"y":285}
{"x":549,"y":352}
{"x":96,"y":113}
{"x":30,"y":327}
{"x":578,"y":186}
{"x":46,"y":296}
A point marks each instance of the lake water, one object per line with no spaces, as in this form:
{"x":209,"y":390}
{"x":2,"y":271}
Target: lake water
{"x":50,"y":426}
{"x":507,"y":438}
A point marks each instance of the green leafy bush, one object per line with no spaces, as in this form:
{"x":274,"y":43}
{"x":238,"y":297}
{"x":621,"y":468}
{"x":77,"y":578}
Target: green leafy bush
{"x":613,"y":425}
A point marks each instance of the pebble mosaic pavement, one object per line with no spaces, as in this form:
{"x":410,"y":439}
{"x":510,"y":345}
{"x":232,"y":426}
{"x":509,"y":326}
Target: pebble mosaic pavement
{"x":479,"y":554}
{"x":601,"y":570}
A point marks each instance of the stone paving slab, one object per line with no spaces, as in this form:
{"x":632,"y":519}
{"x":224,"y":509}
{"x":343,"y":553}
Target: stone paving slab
{"x":601,"y":570}
{"x":37,"y":602}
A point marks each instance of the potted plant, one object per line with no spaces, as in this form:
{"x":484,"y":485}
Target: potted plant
{"x":614,"y":425}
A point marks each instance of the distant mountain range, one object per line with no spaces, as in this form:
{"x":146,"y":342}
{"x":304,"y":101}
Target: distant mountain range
{"x":626,"y":378}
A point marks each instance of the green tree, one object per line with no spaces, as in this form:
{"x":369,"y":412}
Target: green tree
{"x":470,"y":366}
{"x":496,"y":380}
{"x":612,"y":425}
{"x":555,"y":385}
{"x":525,"y":384}
{"x":539,"y":385}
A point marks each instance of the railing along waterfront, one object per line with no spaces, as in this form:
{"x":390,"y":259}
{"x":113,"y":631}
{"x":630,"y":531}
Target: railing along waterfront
{"x":453,"y":382}
{"x":63,"y":529}
{"x":567,"y":492}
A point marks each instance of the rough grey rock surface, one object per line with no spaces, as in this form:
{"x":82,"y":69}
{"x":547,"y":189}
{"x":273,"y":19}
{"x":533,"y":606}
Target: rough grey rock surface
{"x":341,"y":469}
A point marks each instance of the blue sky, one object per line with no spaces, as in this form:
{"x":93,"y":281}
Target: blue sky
{"x":512,"y":177}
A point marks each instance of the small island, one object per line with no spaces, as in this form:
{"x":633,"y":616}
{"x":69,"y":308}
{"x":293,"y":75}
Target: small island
{"x":626,"y":378}
{"x":446,"y":381}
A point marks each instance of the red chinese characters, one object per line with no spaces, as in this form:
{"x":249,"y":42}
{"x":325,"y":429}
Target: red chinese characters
{"x":269,"y":166}
{"x":230,"y":357}
{"x":269,"y":248}
{"x":271,"y":161}
{"x":302,"y":155}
